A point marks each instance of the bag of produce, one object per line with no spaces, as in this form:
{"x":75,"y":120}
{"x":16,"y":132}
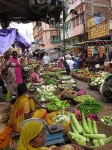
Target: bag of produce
{"x":81,"y":92}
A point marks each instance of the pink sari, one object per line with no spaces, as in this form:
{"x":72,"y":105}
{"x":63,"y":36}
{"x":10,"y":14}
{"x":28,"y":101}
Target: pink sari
{"x":35,"y":78}
{"x":17,"y":70}
{"x":60,"y":64}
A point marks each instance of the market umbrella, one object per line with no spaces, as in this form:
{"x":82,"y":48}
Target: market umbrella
{"x":39,"y":53}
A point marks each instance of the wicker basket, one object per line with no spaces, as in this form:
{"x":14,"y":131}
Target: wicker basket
{"x":95,"y":87}
{"x":46,"y":101}
{"x":4,"y":117}
{"x":105,"y":147}
{"x":102,"y":129}
{"x":105,"y":112}
{"x":69,"y":93}
{"x":58,"y":93}
{"x":66,"y":95}
{"x":5,"y":107}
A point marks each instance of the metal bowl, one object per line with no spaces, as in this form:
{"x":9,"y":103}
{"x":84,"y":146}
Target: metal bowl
{"x":33,"y":119}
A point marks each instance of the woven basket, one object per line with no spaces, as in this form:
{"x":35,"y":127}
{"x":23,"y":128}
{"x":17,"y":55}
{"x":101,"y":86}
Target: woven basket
{"x":5,"y":107}
{"x":2,"y":127}
{"x":86,"y":79}
{"x":95,"y":87}
{"x":105,"y":112}
{"x":102,"y":129}
{"x":69,"y":94}
{"x":105,"y":147}
{"x":46,"y":101}
{"x":4,"y":117}
{"x":58,"y":93}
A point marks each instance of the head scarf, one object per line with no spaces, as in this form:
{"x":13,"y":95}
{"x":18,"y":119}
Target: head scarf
{"x":29,"y":131}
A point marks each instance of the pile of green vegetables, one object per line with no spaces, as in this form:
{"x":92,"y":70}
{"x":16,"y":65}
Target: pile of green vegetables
{"x":48,"y":80}
{"x":82,"y":134}
{"x":90,"y":107}
{"x":67,"y":85}
{"x":107,"y":120}
{"x":57,"y":104}
{"x":83,"y":98}
{"x":65,"y":78}
{"x":54,"y":73}
{"x":78,"y":70}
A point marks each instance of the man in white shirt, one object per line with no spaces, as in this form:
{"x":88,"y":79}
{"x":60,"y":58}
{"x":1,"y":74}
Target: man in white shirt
{"x":46,"y":61}
{"x":70,"y":63}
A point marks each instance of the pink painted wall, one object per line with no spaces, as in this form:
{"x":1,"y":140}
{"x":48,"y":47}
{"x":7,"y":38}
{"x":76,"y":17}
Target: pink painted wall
{"x":46,"y":36}
{"x":76,"y":3}
{"x":79,"y":29}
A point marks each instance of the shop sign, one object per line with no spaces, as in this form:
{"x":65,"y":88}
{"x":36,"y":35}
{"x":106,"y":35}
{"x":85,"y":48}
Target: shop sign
{"x":54,"y":33}
{"x":90,"y":22}
{"x":100,"y":30}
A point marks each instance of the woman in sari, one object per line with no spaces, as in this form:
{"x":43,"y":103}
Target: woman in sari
{"x":24,"y":108}
{"x":60,"y":63}
{"x":33,"y":138}
{"x":13,"y":75}
{"x":35,"y":77}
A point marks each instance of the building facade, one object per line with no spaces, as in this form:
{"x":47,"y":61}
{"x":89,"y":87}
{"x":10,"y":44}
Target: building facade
{"x":49,"y":36}
{"x":76,"y":25}
{"x":75,"y":29}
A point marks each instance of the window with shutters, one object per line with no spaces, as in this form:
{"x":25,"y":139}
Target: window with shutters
{"x":53,"y":23}
{"x":81,"y":19}
{"x":55,"y":39}
{"x":77,"y":20}
{"x":74,"y":23}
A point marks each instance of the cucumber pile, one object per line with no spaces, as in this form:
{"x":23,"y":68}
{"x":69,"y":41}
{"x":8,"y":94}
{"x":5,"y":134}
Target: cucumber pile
{"x":82,"y":134}
{"x":107,"y":120}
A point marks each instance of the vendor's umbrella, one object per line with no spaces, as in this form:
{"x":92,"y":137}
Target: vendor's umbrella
{"x":39,"y":53}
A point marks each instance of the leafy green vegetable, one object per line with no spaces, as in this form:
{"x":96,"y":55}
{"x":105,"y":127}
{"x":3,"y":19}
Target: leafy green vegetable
{"x":56,"y":104}
{"x":90,"y":107}
{"x":82,"y":98}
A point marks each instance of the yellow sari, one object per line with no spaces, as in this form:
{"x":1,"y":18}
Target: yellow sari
{"x":24,"y":105}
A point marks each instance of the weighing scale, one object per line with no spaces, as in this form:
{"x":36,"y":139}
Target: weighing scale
{"x":54,"y":134}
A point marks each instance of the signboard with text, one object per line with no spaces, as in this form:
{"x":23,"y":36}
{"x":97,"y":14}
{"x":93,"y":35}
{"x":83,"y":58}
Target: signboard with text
{"x":100,"y":30}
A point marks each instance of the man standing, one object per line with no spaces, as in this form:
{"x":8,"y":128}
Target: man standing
{"x":70,"y":63}
{"x":46,"y":61}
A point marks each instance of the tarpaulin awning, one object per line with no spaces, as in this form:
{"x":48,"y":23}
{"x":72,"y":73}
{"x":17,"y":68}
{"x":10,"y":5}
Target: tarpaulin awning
{"x":9,"y":36}
{"x":30,"y":10}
